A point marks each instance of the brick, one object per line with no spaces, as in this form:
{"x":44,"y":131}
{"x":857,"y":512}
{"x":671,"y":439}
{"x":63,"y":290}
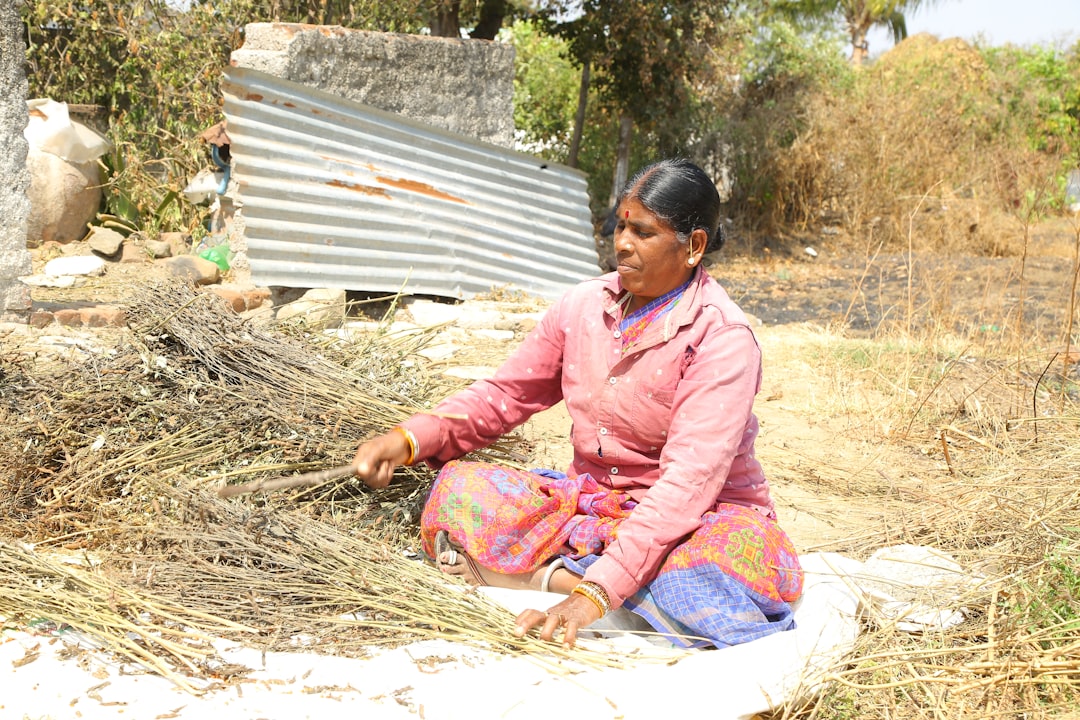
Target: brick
{"x":68,"y":317}
{"x":233,"y":298}
{"x":104,"y":316}
{"x":41,"y":318}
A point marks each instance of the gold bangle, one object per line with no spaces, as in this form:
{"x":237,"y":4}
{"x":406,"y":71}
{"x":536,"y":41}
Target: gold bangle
{"x":591,"y":599}
{"x":596,"y":593}
{"x":605,"y":599}
{"x":411,"y":440}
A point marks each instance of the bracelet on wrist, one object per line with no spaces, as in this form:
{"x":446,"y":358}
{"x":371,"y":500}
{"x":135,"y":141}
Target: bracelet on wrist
{"x":411,"y":440}
{"x":596,"y":593}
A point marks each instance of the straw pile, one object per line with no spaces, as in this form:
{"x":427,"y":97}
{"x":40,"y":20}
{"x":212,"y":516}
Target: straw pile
{"x":118,"y":457}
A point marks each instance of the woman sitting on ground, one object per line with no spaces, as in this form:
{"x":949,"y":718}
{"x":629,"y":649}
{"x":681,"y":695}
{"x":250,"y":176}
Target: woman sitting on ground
{"x":664,"y":508}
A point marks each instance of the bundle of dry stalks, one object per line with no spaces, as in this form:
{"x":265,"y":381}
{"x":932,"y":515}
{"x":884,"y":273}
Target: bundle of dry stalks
{"x":117,"y":455}
{"x":196,"y":395}
{"x":275,"y":580}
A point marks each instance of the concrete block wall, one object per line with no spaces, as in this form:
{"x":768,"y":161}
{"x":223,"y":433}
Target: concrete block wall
{"x":463,"y":86}
{"x":14,"y":177}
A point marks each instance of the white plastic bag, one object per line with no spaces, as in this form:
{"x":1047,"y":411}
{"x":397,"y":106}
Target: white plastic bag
{"x":52,"y":130}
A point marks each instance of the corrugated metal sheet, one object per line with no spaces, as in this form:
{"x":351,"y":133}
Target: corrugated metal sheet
{"x":342,"y":195}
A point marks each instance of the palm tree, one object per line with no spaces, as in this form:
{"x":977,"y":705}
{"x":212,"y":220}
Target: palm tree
{"x":858,"y":16}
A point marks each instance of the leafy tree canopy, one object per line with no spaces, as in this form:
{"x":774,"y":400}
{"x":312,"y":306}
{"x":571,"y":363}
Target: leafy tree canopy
{"x":858,"y":16}
{"x":645,"y":52}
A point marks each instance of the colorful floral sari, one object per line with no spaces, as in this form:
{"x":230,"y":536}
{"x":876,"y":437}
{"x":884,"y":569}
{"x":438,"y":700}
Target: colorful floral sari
{"x":730,"y":582}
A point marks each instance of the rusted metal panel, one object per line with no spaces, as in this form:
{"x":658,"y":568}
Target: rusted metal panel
{"x":342,"y":195}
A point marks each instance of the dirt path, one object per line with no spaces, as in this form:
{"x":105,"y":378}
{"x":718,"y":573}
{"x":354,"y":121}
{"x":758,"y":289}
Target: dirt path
{"x":826,"y":480}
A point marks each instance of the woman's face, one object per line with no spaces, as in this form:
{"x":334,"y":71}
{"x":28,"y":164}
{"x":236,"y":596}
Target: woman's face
{"x":651,"y":259}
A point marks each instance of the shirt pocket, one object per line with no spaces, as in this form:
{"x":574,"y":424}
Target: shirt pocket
{"x":650,"y":415}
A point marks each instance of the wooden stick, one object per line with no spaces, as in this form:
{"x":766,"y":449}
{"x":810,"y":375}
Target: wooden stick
{"x":317,"y":477}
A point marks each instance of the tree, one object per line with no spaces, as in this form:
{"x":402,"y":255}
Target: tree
{"x":490,"y":15}
{"x":642,"y":56}
{"x":545,"y":91}
{"x":858,"y":17}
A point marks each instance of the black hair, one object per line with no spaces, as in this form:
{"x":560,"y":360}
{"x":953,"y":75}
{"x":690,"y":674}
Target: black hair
{"x":680,"y":193}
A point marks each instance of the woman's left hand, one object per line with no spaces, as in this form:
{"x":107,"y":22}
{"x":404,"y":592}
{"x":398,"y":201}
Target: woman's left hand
{"x":572,"y":614}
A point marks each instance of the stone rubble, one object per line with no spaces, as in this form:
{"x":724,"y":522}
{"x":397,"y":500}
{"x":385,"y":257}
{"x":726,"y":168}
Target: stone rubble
{"x":458,"y":326}
{"x":104,"y":241}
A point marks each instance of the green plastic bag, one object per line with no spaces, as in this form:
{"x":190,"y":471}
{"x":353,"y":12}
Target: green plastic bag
{"x":218,"y":255}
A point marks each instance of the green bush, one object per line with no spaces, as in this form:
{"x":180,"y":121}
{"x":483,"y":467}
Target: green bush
{"x":546,"y":88}
{"x":155,"y":71}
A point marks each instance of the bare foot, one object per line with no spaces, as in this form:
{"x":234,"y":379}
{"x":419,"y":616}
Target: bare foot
{"x":452,"y":560}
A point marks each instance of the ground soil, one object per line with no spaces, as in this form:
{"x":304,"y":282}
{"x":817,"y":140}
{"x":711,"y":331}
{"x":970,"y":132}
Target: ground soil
{"x":827,"y":474}
{"x":815,"y":464}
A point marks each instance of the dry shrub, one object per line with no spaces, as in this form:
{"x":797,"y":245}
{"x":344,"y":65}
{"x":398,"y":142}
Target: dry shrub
{"x":928,"y":150}
{"x":933,"y":148}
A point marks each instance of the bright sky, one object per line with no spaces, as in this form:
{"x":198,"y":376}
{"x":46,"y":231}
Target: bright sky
{"x":995,"y":22}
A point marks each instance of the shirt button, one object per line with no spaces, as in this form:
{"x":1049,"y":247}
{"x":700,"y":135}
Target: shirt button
{"x":603,"y":431}
{"x":612,"y":380}
{"x":614,"y":471}
{"x":618,"y":334}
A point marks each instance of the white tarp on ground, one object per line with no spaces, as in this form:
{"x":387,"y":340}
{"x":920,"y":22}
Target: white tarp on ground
{"x":440,"y":679}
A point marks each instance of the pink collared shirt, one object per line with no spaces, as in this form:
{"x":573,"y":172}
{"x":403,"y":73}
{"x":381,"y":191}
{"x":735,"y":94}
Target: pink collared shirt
{"x":670,"y":422}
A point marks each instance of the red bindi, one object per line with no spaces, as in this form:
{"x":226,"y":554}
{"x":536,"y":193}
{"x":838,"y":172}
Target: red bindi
{"x":627,"y":215}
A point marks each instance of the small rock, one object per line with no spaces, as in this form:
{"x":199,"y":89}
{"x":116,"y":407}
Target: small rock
{"x":75,"y":265}
{"x":131,"y":253}
{"x":178,"y":242}
{"x":493,"y":334}
{"x":53,"y":281}
{"x":320,"y":306}
{"x":105,"y":242}
{"x":471,"y":372}
{"x":50,"y":249}
{"x":479,"y":317}
{"x":443,"y":351}
{"x":159,"y":248}
{"x":427,"y":313}
{"x":199,"y":271}
{"x":256,"y":297}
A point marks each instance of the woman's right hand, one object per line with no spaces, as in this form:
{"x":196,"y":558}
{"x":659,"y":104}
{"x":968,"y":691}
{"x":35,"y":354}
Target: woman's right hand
{"x":376,"y":459}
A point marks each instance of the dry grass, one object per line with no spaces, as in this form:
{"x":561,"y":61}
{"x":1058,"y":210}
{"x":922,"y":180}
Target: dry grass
{"x":1012,"y":516}
{"x":116,"y":458}
{"x":999,"y":438}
